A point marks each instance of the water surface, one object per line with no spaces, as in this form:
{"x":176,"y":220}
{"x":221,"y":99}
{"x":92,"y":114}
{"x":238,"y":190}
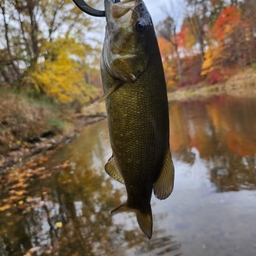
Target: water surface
{"x":60,"y":204}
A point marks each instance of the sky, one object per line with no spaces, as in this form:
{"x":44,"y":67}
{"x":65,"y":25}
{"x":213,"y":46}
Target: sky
{"x":160,"y":8}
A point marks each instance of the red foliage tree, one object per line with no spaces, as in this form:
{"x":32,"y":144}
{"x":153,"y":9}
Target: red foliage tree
{"x":229,"y":18}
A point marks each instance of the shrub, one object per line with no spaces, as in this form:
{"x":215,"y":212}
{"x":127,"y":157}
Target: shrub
{"x":215,"y":77}
{"x":196,"y":79}
{"x":254,"y":65}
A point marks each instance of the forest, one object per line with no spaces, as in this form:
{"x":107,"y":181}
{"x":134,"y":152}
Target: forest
{"x":216,"y":40}
{"x":44,"y":43}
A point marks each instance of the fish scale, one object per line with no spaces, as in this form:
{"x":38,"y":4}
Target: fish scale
{"x":137,"y":110}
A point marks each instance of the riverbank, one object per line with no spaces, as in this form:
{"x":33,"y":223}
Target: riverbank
{"x":21,"y":153}
{"x":242,"y":84}
{"x":29,"y":127}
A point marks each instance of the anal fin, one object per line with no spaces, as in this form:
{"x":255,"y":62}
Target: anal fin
{"x":164,"y":184}
{"x":112,"y":170}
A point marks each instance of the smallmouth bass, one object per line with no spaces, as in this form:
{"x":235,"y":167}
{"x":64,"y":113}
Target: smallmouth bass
{"x":137,"y":109}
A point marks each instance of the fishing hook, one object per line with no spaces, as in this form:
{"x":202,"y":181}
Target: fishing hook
{"x":82,"y":5}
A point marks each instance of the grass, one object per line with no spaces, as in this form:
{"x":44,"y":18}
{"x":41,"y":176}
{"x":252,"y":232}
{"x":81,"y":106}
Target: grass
{"x":23,"y":118}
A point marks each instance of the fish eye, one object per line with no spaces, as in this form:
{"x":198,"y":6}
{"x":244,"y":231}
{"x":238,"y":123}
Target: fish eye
{"x":141,"y":26}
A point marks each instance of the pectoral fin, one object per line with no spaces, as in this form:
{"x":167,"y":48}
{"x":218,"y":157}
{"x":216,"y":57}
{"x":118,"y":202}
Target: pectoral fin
{"x":112,"y":170}
{"x":144,"y":218}
{"x":109,"y":92}
{"x":164,"y":185}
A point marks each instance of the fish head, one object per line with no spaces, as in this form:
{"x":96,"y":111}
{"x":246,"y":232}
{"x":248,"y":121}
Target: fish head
{"x":127,"y":41}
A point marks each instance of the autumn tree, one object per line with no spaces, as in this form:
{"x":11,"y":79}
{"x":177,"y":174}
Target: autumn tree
{"x":248,"y":9}
{"x":248,"y":12}
{"x":61,"y":74}
{"x":29,"y":27}
{"x":230,"y":31}
{"x":197,"y":19}
{"x":215,"y":10}
{"x":167,"y":30}
{"x":231,"y":38}
{"x":186,"y":40}
{"x":169,"y":63}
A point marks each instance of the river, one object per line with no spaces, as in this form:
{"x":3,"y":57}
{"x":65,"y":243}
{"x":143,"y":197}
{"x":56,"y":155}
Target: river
{"x":60,"y":203}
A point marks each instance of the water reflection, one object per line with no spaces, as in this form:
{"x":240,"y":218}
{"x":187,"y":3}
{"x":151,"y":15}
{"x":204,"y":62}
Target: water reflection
{"x":72,"y":191}
{"x":60,"y":204}
{"x":223,"y":132}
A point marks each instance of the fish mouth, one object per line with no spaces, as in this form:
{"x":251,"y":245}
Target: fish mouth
{"x":120,"y":11}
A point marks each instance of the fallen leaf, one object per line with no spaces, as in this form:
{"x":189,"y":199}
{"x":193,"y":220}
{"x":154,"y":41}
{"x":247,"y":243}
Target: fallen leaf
{"x":5,"y":207}
{"x":58,"y":224}
{"x":20,"y":193}
{"x":29,"y":199}
{"x":65,"y":165}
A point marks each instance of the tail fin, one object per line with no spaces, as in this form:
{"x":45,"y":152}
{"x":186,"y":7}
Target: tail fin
{"x":145,"y":222}
{"x":144,"y":219}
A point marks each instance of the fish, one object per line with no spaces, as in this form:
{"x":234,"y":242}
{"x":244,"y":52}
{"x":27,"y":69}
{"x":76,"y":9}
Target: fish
{"x":136,"y":101}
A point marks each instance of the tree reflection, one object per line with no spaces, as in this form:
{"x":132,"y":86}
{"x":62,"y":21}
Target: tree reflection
{"x":179,"y":134}
{"x":64,"y":210}
{"x":223,"y":131}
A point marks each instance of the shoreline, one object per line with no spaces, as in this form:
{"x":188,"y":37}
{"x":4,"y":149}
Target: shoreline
{"x":242,"y":85}
{"x":21,"y":155}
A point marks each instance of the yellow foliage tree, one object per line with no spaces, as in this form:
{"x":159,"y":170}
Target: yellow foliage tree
{"x":170,"y":69}
{"x":190,"y":39}
{"x":62,"y":70}
{"x":171,"y":75}
{"x":213,"y":58}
